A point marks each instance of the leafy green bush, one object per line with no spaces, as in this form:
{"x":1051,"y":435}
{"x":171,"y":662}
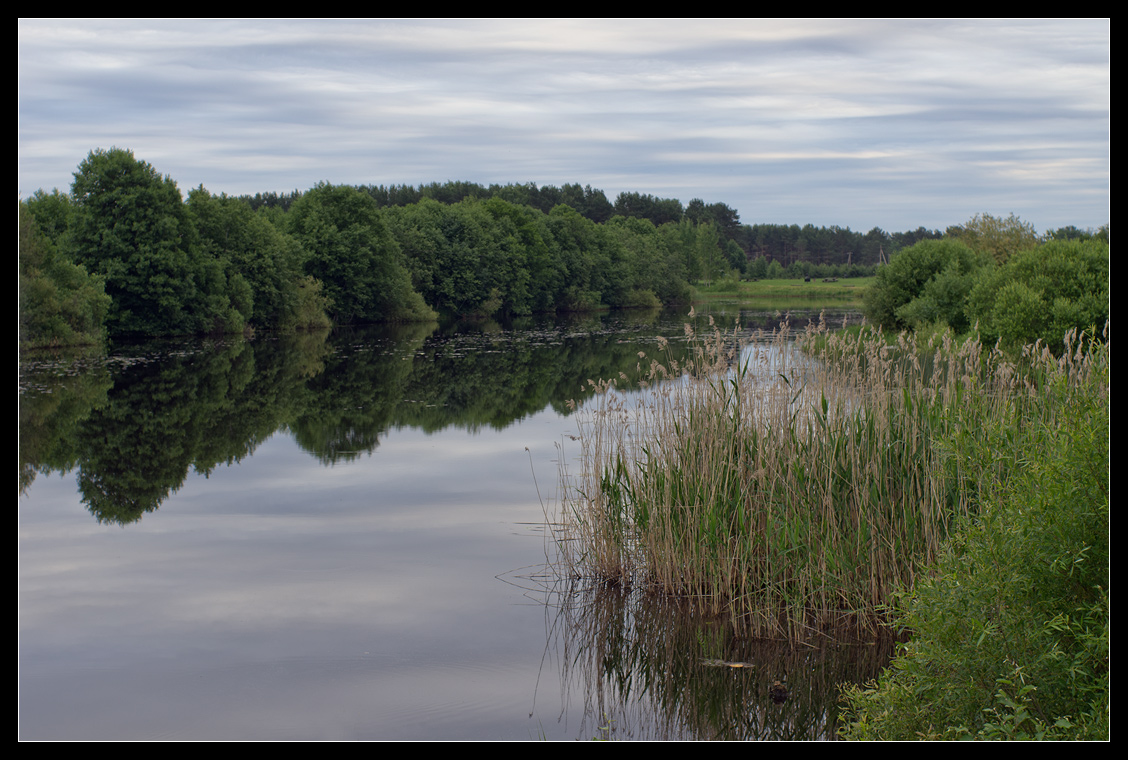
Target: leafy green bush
{"x":1010,"y":637}
{"x":641,"y":299}
{"x":927,"y":282}
{"x":1043,"y":293}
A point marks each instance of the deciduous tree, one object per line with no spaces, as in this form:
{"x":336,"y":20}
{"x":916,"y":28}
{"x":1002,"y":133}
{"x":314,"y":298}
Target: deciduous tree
{"x":132,"y":228}
{"x":1001,"y":238}
{"x":349,"y":250}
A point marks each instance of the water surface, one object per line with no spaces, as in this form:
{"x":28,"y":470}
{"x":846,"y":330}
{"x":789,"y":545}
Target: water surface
{"x":342,"y":537}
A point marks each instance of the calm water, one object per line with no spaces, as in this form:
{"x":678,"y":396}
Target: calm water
{"x":342,"y":537}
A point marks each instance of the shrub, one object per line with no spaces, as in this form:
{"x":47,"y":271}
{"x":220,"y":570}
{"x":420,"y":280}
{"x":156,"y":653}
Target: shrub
{"x":927,"y":282}
{"x":1042,"y":294}
{"x":1010,"y":636}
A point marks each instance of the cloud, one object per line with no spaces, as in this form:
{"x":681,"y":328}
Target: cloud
{"x":889,"y":123}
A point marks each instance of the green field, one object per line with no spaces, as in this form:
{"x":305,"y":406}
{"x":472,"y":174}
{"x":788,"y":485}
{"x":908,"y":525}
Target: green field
{"x":844,"y":290}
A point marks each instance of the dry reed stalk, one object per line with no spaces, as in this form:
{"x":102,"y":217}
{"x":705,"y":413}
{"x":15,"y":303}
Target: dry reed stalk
{"x":787,"y":492}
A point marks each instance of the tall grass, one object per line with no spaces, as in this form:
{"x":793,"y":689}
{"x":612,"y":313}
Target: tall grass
{"x":1011,"y":630}
{"x":794,"y":494}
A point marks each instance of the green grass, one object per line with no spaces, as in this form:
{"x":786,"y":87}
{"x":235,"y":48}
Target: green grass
{"x":845,"y":290}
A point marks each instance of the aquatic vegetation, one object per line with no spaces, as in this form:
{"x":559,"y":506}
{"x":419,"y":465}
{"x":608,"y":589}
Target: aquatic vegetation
{"x":792,"y":494}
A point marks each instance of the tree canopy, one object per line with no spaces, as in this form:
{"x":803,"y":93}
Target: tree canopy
{"x":350,"y":251}
{"x":132,"y":228}
{"x":346,"y":254}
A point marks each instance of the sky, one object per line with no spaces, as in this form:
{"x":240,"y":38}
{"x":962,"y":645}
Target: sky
{"x":857,"y":123}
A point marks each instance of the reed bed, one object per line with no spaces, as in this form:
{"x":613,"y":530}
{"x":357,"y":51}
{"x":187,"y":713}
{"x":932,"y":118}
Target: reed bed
{"x":793,"y":494}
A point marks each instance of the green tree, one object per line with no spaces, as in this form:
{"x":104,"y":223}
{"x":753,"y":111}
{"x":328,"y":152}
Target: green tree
{"x":463,"y":259}
{"x":658,"y":210}
{"x":269,"y":260}
{"x":656,"y":273}
{"x":586,"y":255}
{"x":1001,"y":238}
{"x":540,"y":256}
{"x":60,"y":303}
{"x":707,"y":251}
{"x":757,"y":268}
{"x":875,"y":243}
{"x":53,"y":214}
{"x":132,"y":228}
{"x":1073,"y":233}
{"x":592,"y":204}
{"x":350,"y":251}
{"x":681,"y":239}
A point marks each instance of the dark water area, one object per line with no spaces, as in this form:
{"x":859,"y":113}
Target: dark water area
{"x":344,"y":537}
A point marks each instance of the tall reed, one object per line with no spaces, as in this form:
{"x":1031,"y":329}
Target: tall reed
{"x":793,"y":494}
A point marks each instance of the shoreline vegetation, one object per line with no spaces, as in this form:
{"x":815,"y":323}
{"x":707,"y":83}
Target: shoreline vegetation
{"x":843,"y":484}
{"x":124,"y":255}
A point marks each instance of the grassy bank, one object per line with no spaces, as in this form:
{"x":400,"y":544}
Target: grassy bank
{"x":793,"y":291}
{"x":793,"y":495}
{"x":1011,"y":629}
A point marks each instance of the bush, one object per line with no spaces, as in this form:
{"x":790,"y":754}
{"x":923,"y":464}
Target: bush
{"x":641,"y":299}
{"x":1043,"y":293}
{"x":1010,"y":636}
{"x":927,"y":282}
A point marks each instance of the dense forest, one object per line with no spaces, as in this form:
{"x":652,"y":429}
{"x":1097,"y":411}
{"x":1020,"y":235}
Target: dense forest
{"x":125,"y":254}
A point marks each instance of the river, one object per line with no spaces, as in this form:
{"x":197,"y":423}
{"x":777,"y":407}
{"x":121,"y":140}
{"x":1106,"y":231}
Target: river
{"x":344,"y":537}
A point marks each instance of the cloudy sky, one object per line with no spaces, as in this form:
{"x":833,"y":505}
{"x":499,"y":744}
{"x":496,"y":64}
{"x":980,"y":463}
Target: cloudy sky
{"x":864,"y":123}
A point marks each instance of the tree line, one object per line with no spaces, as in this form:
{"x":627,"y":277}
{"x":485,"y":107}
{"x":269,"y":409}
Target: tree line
{"x":125,"y":254}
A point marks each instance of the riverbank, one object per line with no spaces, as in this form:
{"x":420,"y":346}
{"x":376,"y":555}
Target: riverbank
{"x":1010,"y":628}
{"x":796,"y":497}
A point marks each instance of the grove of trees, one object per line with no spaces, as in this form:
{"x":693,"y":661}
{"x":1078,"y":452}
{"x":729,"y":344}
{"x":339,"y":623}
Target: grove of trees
{"x":997,"y":276}
{"x":125,"y":254}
